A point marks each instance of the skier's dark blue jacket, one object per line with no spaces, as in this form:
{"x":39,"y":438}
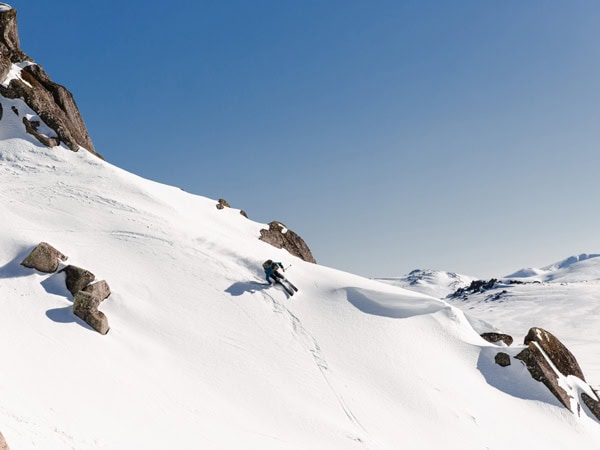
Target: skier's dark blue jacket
{"x":272,"y":268}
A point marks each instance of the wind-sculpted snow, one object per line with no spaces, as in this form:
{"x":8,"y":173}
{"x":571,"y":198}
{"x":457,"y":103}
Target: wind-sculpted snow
{"x":390,"y":305}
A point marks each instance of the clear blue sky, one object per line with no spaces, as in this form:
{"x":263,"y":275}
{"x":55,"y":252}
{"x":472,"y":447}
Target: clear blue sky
{"x":391,"y":135}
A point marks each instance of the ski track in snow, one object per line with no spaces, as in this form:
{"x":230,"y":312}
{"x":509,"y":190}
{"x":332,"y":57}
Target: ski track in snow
{"x":309,"y":342}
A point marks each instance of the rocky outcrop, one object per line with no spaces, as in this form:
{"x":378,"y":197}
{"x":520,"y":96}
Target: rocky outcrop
{"x":541,"y":370}
{"x":53,"y":103}
{"x":86,"y":297}
{"x":44,"y":258}
{"x":222,"y":204}
{"x":498,"y":337}
{"x":278,"y":235}
{"x":560,"y":355}
{"x":85,"y":306}
{"x":3,"y":444}
{"x":550,"y":362}
{"x":77,"y":278}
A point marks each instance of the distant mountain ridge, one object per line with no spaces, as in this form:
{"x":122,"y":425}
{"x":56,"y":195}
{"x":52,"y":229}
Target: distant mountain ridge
{"x":435,"y":283}
{"x":583,"y":267}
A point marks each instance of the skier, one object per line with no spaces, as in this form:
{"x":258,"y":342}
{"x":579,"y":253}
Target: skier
{"x":273,"y":276}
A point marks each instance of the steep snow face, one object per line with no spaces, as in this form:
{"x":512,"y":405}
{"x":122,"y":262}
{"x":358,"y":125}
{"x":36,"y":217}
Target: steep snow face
{"x":202,"y":354}
{"x":435,"y":283}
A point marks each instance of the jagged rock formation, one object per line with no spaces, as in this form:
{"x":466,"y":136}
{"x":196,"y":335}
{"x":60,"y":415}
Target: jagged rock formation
{"x":497,"y":337}
{"x":53,"y":103}
{"x":44,"y":258}
{"x":560,"y":355}
{"x":278,"y":235}
{"x":3,"y":444}
{"x":550,"y":362}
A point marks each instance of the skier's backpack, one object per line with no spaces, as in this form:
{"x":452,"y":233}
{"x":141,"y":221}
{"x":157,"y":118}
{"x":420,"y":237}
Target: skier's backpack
{"x":268,"y":263}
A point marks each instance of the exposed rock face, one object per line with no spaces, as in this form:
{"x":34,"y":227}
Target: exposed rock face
{"x":100,"y":289}
{"x":278,"y":235}
{"x":592,"y":404}
{"x":77,"y":278}
{"x":547,"y":360}
{"x":53,"y":103}
{"x":497,"y":337}
{"x":502,"y":359}
{"x":542,"y":371}
{"x":560,"y":355}
{"x":44,"y":258}
{"x":223,"y":204}
{"x":85,"y":306}
{"x":3,"y":444}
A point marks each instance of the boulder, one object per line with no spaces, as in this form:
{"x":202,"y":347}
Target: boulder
{"x":77,"y":278}
{"x":53,"y":103}
{"x":497,"y":337}
{"x":222,"y":204}
{"x":279,"y":236}
{"x":100,"y":289}
{"x":3,"y":444}
{"x":547,"y":360}
{"x":560,"y":355}
{"x":502,"y":359}
{"x":44,"y":258}
{"x":541,"y":370}
{"x":85,"y":306}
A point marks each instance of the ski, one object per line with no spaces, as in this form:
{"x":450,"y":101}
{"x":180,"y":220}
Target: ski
{"x":288,"y":290}
{"x":291,"y":285}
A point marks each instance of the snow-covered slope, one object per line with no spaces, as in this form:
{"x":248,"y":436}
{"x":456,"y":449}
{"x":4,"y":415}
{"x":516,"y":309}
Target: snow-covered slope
{"x":201,"y":355}
{"x":435,"y":283}
{"x":584,"y":267}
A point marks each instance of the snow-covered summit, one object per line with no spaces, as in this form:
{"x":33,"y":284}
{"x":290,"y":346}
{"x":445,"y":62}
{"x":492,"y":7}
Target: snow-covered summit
{"x":5,"y":7}
{"x":584,"y":267}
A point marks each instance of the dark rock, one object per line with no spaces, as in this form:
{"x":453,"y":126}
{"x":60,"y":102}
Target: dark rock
{"x":496,"y":337}
{"x":222,"y":204}
{"x":539,"y":368}
{"x":502,"y":359}
{"x":560,"y":355}
{"x":278,"y":235}
{"x":3,"y":444}
{"x":44,"y":258}
{"x":592,"y":404}
{"x":243,"y":213}
{"x":77,"y":278}
{"x":476,"y":286}
{"x":53,"y":103}
{"x":15,"y":110}
{"x":31,"y":126}
{"x":85,"y":306}
{"x":100,"y":289}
